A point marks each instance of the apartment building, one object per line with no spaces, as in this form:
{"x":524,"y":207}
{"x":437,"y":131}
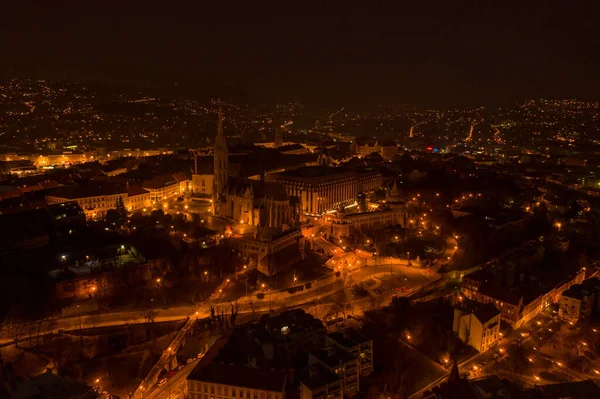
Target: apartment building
{"x":580,"y":301}
{"x":477,"y":325}
{"x":95,"y":200}
{"x":162,"y":187}
{"x":137,"y":198}
{"x":346,"y":224}
{"x":517,"y":305}
{"x":355,"y":343}
{"x":341,"y":363}
{"x":230,"y":381}
{"x":321,"y":383}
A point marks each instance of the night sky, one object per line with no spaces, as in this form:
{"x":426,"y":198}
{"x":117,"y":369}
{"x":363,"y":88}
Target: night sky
{"x":416,"y":52}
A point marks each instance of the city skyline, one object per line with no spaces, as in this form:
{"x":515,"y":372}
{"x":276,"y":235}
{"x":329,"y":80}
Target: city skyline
{"x":420,"y":54}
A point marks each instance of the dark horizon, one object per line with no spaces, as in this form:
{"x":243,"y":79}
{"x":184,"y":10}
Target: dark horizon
{"x":433,"y":54}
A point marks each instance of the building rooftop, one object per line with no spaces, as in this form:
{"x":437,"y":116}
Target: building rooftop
{"x":348,"y":338}
{"x":307,"y":172}
{"x":136,"y":190}
{"x":91,"y":190}
{"x":239,"y":376}
{"x":586,"y":288}
{"x":587,"y":389}
{"x":486,"y":312}
{"x":319,"y":377}
{"x":333,"y":356}
{"x":159,"y":181}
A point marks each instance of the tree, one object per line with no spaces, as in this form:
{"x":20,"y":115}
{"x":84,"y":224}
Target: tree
{"x":149,"y":314}
{"x":235,"y":308}
{"x":113,"y":218}
{"x":15,"y":331}
{"x":120,"y":208}
{"x":341,"y":307}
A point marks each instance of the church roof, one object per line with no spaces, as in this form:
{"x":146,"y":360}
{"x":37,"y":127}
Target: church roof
{"x":395,"y":191}
{"x":261,"y":189}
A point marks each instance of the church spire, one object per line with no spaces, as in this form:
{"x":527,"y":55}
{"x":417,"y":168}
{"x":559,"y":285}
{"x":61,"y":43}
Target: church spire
{"x":220,"y":123}
{"x":221,"y":167}
{"x":454,"y":375}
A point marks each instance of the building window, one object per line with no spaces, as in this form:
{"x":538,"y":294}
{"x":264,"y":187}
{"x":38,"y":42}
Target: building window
{"x":205,"y":386}
{"x":247,"y":394}
{"x":226,"y":391}
{"x":219,"y":390}
{"x":233,"y":392}
{"x":212,"y":389}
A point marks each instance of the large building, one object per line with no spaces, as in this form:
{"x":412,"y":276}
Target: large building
{"x":283,"y":355}
{"x":580,"y":301}
{"x":342,"y":364}
{"x":96,"y":200}
{"x":322,"y":188}
{"x":364,"y":146}
{"x":216,"y":380}
{"x":517,"y":306}
{"x":346,"y":224}
{"x":267,"y":254}
{"x":164,"y":187}
{"x":251,"y":202}
{"x":477,"y":325}
{"x":357,"y":344}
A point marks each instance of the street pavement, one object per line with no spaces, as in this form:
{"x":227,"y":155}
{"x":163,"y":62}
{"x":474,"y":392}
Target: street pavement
{"x":175,"y":387}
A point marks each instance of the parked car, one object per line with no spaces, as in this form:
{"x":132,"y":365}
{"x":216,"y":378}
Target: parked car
{"x":162,"y":382}
{"x":191,"y":359}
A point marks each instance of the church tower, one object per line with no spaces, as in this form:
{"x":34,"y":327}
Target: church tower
{"x":221,"y":169}
{"x":278,"y":137}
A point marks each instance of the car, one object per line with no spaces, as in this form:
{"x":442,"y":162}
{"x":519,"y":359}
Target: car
{"x":180,"y":367}
{"x":162,"y":382}
{"x":199,"y":355}
{"x":191,"y":359}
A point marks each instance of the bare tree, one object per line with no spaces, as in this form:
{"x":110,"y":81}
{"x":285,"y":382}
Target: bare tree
{"x":235,"y":308}
{"x":251,"y":303}
{"x":15,"y":330}
{"x":149,"y":314}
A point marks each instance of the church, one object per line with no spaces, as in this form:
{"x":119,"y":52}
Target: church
{"x":252,"y":202}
